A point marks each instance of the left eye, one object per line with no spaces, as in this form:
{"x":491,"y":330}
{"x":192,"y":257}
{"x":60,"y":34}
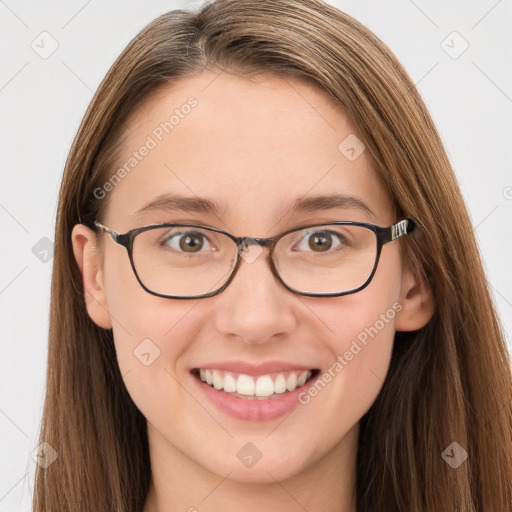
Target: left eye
{"x":187,"y":241}
{"x":322,"y":240}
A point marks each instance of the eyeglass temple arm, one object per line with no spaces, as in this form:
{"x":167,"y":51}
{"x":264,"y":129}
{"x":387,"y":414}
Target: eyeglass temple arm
{"x":401,"y":228}
{"x":115,"y":236}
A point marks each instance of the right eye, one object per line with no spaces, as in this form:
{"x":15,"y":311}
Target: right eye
{"x":186,"y":241}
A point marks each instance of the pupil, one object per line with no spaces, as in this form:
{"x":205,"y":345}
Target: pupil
{"x":190,"y":242}
{"x":322,"y":241}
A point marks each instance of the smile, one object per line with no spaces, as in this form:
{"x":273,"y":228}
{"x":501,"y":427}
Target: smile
{"x":256,"y":388}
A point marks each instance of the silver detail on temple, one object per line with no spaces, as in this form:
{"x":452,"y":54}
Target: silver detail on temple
{"x":399,"y":229}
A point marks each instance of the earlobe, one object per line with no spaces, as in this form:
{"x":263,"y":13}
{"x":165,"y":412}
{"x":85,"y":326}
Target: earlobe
{"x":418,"y":304}
{"x":88,"y":261}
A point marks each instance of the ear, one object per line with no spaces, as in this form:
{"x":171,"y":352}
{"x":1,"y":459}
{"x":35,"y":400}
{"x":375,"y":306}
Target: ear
{"x":88,"y":258}
{"x":418,"y":304}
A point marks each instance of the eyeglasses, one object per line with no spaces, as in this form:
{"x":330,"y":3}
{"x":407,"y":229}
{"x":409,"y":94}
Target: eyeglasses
{"x":189,"y":261}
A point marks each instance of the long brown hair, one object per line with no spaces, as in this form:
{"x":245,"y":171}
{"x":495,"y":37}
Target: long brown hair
{"x":448,"y":382}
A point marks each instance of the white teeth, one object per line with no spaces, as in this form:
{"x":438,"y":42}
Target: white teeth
{"x":246,"y":385}
{"x":217,"y":380}
{"x":264,"y":386}
{"x":291,"y":382}
{"x":280,"y":384}
{"x":302,"y":379}
{"x":229,"y":383}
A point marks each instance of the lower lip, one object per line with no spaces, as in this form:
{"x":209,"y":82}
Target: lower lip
{"x":253,"y":410}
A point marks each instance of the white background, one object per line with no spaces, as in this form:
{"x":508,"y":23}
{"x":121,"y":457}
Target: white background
{"x":43,"y":100}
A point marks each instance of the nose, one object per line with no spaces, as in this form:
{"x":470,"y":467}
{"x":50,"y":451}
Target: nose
{"x":255,"y":307}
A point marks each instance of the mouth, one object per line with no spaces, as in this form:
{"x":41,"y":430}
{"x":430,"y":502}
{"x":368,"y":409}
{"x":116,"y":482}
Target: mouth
{"x":261,"y":387}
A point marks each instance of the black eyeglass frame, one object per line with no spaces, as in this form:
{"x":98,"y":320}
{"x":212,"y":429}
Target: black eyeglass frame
{"x":383,"y":235}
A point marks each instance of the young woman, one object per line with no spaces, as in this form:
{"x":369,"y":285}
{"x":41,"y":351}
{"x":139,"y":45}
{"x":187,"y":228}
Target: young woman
{"x":267,"y":293}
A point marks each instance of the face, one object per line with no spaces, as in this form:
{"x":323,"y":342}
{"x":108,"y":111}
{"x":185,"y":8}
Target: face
{"x":253,"y":147}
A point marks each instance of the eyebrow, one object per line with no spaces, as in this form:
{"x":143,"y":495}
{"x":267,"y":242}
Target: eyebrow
{"x":173,"y":202}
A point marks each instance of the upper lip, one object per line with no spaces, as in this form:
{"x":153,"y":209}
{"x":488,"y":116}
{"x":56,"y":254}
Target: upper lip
{"x":255,"y":369}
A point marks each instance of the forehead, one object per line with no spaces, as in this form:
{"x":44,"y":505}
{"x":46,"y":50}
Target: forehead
{"x":251,"y":146}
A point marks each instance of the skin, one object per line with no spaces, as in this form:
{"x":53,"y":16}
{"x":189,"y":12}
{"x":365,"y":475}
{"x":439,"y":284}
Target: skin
{"x":255,"y":146}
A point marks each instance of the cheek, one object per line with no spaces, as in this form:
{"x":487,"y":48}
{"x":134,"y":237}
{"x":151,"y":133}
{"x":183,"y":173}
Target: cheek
{"x":363,"y":325}
{"x":360,"y":357}
{"x":150,"y":334}
{"x":350,"y":382}
{"x":363,"y":358}
{"x":137,"y":314}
